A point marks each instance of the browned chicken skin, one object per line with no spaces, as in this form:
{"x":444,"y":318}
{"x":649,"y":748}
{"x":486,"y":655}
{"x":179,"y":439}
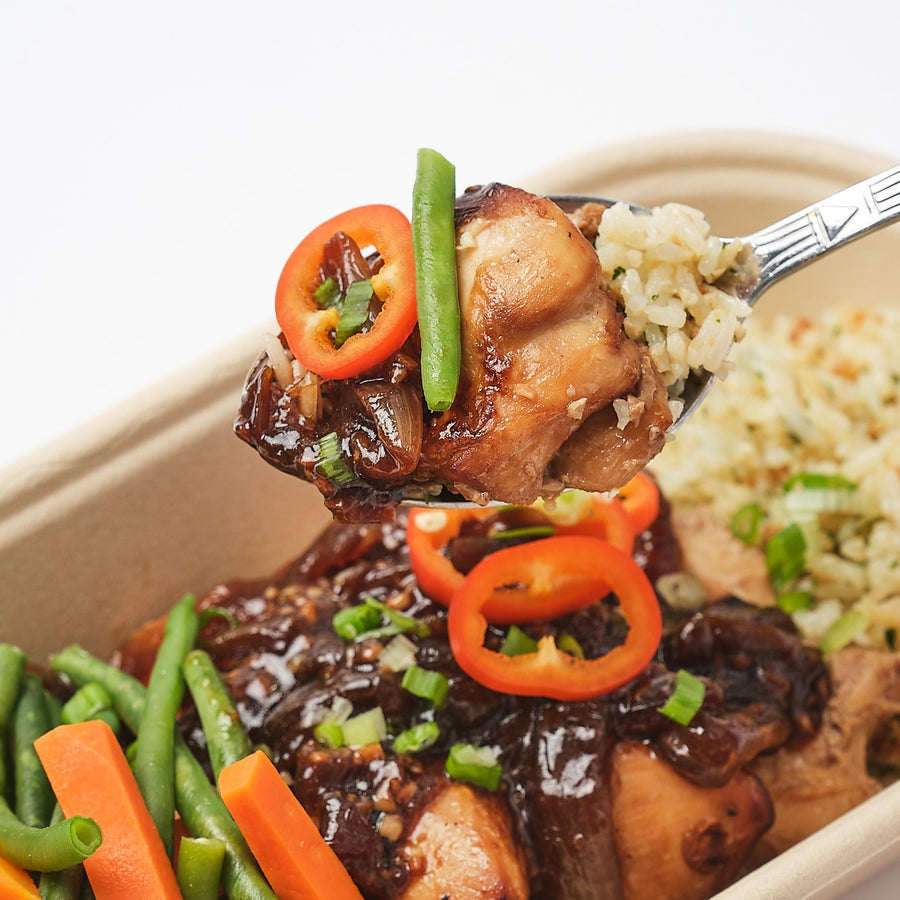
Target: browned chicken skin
{"x":543,"y":350}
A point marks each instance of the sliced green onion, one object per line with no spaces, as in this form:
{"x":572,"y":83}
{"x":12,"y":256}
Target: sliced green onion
{"x":531,"y":532}
{"x":418,"y":737}
{"x":330,"y":734}
{"x":786,"y":555}
{"x":842,"y":631}
{"x":518,"y":643}
{"x":791,"y":601}
{"x":368,"y":727}
{"x":746,"y":523}
{"x":353,"y":621}
{"x":426,"y":683}
{"x":819,"y":481}
{"x":686,"y":699}
{"x":568,"y":644}
{"x":398,"y":654}
{"x":476,"y":765}
{"x":890,"y":638}
{"x":327,"y":293}
{"x":332,"y":462}
{"x":354,"y":310}
{"x":399,"y":622}
{"x":681,"y":590}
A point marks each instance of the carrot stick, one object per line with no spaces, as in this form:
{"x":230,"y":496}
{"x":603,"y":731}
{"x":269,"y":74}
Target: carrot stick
{"x":91,"y":776}
{"x":15,"y":884}
{"x":284,"y":839}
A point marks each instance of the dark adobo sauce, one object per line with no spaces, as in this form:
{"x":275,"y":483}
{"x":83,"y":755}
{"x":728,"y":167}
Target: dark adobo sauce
{"x":285,"y":665}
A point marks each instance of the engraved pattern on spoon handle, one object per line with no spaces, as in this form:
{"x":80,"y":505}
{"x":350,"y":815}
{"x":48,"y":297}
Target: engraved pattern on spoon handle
{"x":798,"y":239}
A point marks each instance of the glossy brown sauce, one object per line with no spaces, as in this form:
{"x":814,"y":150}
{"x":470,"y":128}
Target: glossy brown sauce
{"x":285,"y":664}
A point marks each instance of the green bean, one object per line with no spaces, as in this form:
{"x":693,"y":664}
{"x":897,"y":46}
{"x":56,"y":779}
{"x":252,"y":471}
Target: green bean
{"x":48,"y":849}
{"x":64,"y":884}
{"x":206,"y":815}
{"x":437,"y":293}
{"x":200,"y":867}
{"x":128,"y":694}
{"x":12,"y":670}
{"x":226,"y":738}
{"x":34,"y":797}
{"x":91,"y":702}
{"x":200,"y":806}
{"x":153,"y":763}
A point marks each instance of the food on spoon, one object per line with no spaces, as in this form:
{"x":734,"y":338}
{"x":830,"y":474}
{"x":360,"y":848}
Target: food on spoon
{"x":565,"y":369}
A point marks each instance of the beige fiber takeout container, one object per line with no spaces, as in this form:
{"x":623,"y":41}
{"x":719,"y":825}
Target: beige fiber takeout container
{"x":112,"y":523}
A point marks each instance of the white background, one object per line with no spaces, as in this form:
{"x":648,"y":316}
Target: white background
{"x":159,"y":161}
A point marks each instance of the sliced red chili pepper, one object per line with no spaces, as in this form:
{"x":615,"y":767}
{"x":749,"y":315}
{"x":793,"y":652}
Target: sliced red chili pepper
{"x":429,"y":531}
{"x":544,"y":580}
{"x":640,"y":498}
{"x":309,"y":330}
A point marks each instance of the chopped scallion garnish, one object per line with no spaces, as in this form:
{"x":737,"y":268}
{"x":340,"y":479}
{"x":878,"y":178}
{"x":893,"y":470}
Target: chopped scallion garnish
{"x":819,"y":481}
{"x":568,"y":644}
{"x":350,"y":623}
{"x":327,"y":293}
{"x":786,"y":555}
{"x":686,"y":699}
{"x":746,"y":522}
{"x":426,"y":683}
{"x":418,"y":737}
{"x":398,"y":622}
{"x":368,"y":727}
{"x":842,"y":631}
{"x":332,"y":462}
{"x":530,"y":532}
{"x":476,"y":765}
{"x":791,"y":601}
{"x":518,"y":643}
{"x":354,"y":310}
{"x":330,"y":734}
{"x":398,"y":654}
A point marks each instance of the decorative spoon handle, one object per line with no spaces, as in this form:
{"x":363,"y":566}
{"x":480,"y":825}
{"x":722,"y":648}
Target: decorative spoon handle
{"x":802,"y":237}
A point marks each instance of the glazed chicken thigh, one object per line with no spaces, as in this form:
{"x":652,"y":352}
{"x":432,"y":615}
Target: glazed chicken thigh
{"x":542,"y":347}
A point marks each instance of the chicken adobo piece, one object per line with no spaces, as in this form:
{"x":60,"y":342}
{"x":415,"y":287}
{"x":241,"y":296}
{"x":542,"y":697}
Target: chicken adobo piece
{"x":551,"y":394}
{"x":598,"y":798}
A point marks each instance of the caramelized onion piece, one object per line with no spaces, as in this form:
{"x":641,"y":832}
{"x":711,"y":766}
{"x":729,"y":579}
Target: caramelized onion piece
{"x":395,"y":411}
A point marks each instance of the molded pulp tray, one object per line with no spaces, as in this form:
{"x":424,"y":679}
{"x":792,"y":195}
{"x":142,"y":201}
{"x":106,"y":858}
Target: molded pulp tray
{"x":111,"y":524}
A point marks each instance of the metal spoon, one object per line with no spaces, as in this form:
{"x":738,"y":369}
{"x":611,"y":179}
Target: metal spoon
{"x":768,"y":255}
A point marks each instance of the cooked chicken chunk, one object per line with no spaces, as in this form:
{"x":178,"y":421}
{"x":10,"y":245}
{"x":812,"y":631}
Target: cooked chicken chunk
{"x":609,"y":448}
{"x":725,"y":565}
{"x":815,"y":783}
{"x":677,"y":840}
{"x":542,"y":350}
{"x":464,"y":839}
